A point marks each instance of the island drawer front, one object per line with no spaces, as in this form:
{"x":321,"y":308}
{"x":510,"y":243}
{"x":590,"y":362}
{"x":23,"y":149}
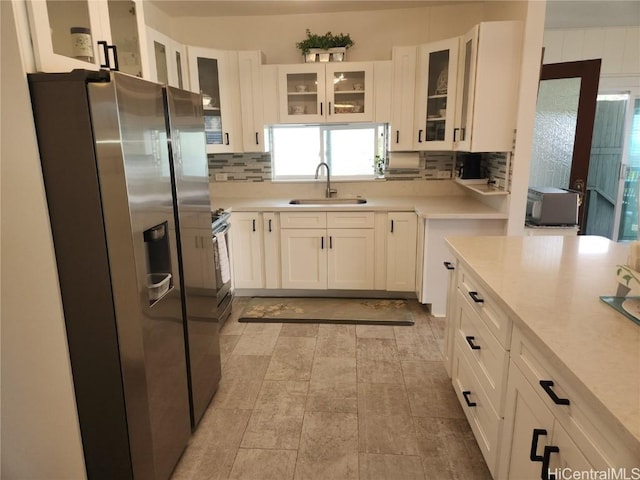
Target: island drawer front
{"x":486,"y":306}
{"x":484,"y":421}
{"x":350,"y":220}
{"x":489,"y":361}
{"x":597,"y":439}
{"x":303,"y":220}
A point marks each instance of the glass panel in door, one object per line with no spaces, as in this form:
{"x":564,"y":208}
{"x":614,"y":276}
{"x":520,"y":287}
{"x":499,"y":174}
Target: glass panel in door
{"x":629,"y":213}
{"x":162,"y":71}
{"x":70,"y":28}
{"x":209,"y":79}
{"x":302,"y":93}
{"x":348,"y":92}
{"x":554,"y":132}
{"x":437,"y":96}
{"x":179,"y":69}
{"x":124,"y":35}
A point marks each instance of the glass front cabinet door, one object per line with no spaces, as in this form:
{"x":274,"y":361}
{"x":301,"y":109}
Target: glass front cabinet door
{"x":167,"y":62}
{"x":211,"y":73}
{"x":330,"y":92}
{"x":69,"y":34}
{"x":436,"y":90}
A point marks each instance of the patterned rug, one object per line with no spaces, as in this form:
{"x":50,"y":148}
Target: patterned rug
{"x":367,"y":311}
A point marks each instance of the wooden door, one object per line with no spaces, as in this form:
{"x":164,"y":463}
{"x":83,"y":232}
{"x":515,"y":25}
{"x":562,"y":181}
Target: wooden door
{"x":588,"y":72}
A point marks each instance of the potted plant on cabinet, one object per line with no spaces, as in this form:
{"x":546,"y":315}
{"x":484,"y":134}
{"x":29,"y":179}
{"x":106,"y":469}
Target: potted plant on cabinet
{"x":324,"y":48}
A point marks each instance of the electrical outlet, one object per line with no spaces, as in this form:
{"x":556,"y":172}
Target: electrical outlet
{"x":221,"y":177}
{"x":444,"y":174}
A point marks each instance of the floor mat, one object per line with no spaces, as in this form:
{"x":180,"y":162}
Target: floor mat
{"x":367,"y":311}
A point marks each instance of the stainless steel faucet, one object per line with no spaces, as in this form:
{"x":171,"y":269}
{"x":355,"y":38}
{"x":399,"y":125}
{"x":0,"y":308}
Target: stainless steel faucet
{"x":329,"y":190}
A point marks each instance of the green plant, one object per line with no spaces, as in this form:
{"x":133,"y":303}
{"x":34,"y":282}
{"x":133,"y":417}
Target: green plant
{"x":324,"y":42}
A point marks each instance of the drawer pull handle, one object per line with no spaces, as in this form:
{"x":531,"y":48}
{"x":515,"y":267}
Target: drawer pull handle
{"x":534,"y":457}
{"x":253,"y":225}
{"x":449,"y":266}
{"x":269,"y":225}
{"x":466,"y":394}
{"x":470,"y":340}
{"x":546,"y":385}
{"x":544,"y":473}
{"x":322,"y":243}
{"x":474,"y":296}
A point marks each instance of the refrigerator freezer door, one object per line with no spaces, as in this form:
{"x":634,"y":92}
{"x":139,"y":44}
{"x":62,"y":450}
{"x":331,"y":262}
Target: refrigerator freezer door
{"x":192,"y":202}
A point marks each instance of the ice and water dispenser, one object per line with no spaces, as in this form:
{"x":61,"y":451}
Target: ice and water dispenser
{"x":158,"y":252}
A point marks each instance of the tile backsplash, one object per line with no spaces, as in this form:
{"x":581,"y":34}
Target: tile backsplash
{"x":256,"y":167}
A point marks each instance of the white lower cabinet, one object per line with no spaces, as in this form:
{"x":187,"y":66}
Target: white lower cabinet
{"x":530,"y":420}
{"x":246,"y":238}
{"x":401,"y":251}
{"x":327,"y":258}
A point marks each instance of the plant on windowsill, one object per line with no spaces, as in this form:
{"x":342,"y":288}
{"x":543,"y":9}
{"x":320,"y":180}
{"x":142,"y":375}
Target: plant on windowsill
{"x":324,"y":48}
{"x":379,"y":165}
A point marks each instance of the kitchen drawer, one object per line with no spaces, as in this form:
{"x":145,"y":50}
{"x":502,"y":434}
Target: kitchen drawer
{"x":487,"y":358}
{"x":350,"y":219}
{"x":597,"y":440}
{"x":303,"y":220}
{"x":484,"y":421}
{"x":485,"y":306}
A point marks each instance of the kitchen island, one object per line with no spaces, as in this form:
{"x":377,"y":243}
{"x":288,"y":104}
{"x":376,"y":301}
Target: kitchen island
{"x":540,"y":297}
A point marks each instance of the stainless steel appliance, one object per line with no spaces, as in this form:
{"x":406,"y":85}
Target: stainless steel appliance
{"x":220,"y":227}
{"x":552,"y":206}
{"x":129,"y":218}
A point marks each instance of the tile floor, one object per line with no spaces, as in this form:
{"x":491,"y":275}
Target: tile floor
{"x":309,"y":401}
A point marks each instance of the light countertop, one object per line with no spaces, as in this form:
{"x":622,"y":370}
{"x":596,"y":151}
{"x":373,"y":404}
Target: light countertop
{"x":550,"y":287}
{"x":434,"y":207}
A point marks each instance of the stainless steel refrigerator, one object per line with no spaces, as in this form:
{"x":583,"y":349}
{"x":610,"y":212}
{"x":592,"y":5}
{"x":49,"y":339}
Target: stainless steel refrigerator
{"x":125,"y":175}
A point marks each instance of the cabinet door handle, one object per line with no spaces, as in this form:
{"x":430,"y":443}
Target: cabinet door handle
{"x":462,"y":134}
{"x":226,"y":138}
{"x":320,"y":108}
{"x":455,"y":130}
{"x":257,"y":140}
{"x":474,"y":296}
{"x":321,"y":243}
{"x":330,"y":241}
{"x":533,"y":456}
{"x":105,"y":51}
{"x":269,"y":225}
{"x":546,"y":385}
{"x":466,"y":394}
{"x":420,"y":136}
{"x":391,"y":226}
{"x":253,"y":226}
{"x":114,"y":49}
{"x":329,"y":111}
{"x":546,"y":457}
{"x":449,"y":266}
{"x":470,"y":339}
{"x":397,"y":136}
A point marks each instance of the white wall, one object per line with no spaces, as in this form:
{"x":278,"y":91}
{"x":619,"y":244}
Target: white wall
{"x":618,"y":47}
{"x":40,"y":431}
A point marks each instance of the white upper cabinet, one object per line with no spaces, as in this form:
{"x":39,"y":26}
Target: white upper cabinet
{"x":167,"y":60}
{"x":251,"y":95}
{"x":69,"y":34}
{"x":490,"y":57}
{"x":436,"y":84}
{"x":331,"y":92}
{"x":214,"y":74}
{"x":402,"y":99}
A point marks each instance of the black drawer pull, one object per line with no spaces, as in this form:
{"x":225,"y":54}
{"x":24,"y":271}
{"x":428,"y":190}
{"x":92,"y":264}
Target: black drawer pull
{"x":257,"y":140}
{"x":226,"y":136}
{"x":546,"y":385}
{"x":474,"y":296}
{"x":253,"y":224}
{"x":420,"y":136}
{"x":329,"y":108}
{"x":545,"y":474}
{"x":320,"y":108}
{"x":455,"y":130}
{"x":322,"y":243}
{"x":449,"y":266}
{"x":470,"y":340}
{"x":534,"y":457}
{"x":330,"y":241}
{"x":391,"y":226}
{"x":269,"y":225}
{"x":397,"y":136}
{"x":462,"y":134}
{"x":466,"y":394}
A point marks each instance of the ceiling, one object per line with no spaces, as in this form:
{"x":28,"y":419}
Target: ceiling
{"x":560,"y":13}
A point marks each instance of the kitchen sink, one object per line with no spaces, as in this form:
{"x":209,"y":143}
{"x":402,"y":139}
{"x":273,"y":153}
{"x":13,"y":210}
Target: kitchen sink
{"x":327,"y":201}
